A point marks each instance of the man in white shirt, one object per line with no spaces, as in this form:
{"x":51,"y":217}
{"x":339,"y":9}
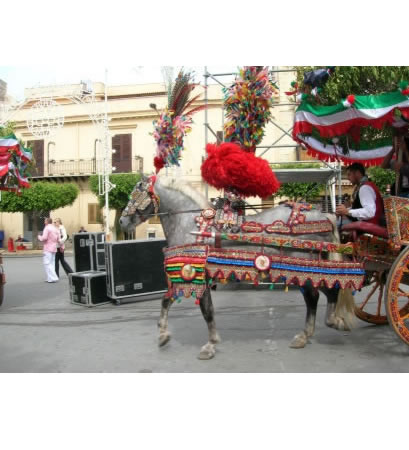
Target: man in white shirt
{"x":367,"y":204}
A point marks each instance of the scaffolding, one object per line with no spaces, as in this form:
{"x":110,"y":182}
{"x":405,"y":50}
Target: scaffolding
{"x":332,"y":172}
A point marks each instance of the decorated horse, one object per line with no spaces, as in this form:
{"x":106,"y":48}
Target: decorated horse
{"x":193,"y":267}
{"x":217,"y":242}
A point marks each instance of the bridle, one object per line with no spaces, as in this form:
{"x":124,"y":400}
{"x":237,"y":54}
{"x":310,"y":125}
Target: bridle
{"x":140,"y":200}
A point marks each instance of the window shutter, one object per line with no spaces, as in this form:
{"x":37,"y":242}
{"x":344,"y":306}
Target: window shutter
{"x":122,"y":158}
{"x":94,"y":213}
{"x":38,"y":154}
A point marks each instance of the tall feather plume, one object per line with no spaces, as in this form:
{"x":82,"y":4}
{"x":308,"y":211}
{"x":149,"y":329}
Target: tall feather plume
{"x":175,"y":121}
{"x":167,"y":74}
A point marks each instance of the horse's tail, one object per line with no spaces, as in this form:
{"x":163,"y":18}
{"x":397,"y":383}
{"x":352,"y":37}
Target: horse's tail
{"x":335,"y":237}
{"x":345,"y":304}
{"x":346,"y":307}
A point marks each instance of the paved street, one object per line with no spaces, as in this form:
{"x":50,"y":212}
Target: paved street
{"x":41,"y":331}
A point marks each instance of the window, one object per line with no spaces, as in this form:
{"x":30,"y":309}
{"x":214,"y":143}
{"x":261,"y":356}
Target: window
{"x":151,"y":233}
{"x":94,"y":213}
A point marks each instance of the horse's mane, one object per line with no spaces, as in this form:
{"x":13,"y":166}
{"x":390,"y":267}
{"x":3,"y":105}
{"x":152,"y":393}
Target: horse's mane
{"x":183,"y":186}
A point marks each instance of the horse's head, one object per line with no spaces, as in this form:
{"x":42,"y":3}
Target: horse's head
{"x":143,"y":204}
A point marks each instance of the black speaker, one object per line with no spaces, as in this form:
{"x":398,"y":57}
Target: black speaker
{"x":88,"y":288}
{"x":89,"y":251}
{"x":135,"y":268}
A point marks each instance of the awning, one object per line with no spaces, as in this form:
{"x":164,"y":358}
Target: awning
{"x":304,"y":175}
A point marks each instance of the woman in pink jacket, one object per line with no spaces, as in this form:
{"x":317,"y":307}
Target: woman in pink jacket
{"x":50,"y":239}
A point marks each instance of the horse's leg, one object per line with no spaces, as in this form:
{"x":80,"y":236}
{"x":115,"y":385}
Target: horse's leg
{"x":164,"y":335}
{"x":311,"y":296}
{"x":331,"y":319}
{"x":206,"y":306}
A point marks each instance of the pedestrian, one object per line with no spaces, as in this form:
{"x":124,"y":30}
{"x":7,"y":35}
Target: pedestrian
{"x":82,"y":230}
{"x":59,"y":256}
{"x":49,"y":238}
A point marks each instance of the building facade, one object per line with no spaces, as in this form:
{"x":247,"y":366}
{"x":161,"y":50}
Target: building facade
{"x":74,"y":152}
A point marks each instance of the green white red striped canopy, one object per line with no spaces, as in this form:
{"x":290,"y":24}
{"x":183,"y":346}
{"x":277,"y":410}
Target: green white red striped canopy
{"x":319,"y":128}
{"x":14,"y":160}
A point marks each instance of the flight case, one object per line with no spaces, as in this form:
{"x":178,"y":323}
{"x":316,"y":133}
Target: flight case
{"x":89,"y":251}
{"x":135,"y":268}
{"x":88,"y":288}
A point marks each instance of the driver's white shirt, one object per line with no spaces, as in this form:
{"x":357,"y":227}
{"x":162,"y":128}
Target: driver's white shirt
{"x":367,"y":197}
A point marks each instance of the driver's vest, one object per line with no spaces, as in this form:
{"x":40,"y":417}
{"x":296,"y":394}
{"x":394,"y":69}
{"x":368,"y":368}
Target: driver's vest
{"x":379,"y":212}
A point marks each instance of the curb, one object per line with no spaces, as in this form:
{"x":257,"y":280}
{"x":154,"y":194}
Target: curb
{"x":28,"y":255}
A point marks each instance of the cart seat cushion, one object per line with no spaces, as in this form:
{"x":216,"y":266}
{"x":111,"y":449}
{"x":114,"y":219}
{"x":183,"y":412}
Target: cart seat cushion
{"x":366,"y":227}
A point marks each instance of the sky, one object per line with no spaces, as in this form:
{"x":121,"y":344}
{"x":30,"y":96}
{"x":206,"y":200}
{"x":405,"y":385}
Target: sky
{"x":20,"y":77}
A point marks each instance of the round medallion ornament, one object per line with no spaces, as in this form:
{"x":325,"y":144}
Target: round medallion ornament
{"x":209,"y":213}
{"x":262,"y":263}
{"x":188,"y":272}
{"x":46,"y":118}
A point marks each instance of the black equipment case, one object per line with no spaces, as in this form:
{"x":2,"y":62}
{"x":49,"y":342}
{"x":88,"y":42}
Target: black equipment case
{"x":88,"y":288}
{"x":89,"y":251}
{"x":135,"y":268}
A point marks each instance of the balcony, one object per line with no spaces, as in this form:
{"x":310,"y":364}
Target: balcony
{"x":83,"y":167}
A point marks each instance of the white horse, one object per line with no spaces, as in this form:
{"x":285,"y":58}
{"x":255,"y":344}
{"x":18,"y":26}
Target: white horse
{"x":178,"y":204}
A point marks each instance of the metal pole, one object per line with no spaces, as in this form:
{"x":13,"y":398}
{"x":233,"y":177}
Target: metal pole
{"x":106,"y":162}
{"x":206,"y":125}
{"x":339,"y":183}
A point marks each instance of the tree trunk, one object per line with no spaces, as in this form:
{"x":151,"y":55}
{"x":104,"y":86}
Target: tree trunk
{"x":35,"y":216}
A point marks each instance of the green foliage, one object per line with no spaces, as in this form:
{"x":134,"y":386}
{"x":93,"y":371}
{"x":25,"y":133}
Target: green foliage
{"x":7,"y":130}
{"x":119,"y":196}
{"x":358,"y":80}
{"x":296,"y":166}
{"x":41,"y":196}
{"x":382,"y":177}
{"x":300,"y":191}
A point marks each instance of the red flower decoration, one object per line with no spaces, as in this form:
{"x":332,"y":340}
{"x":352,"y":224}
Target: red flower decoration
{"x":229,"y":166}
{"x":351,"y":99}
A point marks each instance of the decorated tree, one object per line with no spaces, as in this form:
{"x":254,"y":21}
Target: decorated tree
{"x":357,"y":80}
{"x":15,"y":161}
{"x":40,"y":198}
{"x":350,"y":113}
{"x":119,"y":196}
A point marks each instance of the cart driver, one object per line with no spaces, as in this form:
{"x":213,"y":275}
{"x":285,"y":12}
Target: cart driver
{"x":367,"y":203}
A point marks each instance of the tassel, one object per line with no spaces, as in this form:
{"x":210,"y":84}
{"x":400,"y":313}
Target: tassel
{"x":197,"y":302}
{"x":271,"y":287}
{"x":286,"y":288}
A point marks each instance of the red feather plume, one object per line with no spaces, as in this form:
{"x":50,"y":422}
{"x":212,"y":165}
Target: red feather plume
{"x":229,"y":166}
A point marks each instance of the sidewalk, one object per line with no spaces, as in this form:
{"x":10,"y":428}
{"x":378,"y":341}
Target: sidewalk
{"x":27,"y":253}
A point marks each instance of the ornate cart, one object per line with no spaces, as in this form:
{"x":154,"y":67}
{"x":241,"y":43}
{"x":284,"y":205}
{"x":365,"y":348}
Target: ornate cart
{"x":386,"y":261}
{"x":336,"y":133}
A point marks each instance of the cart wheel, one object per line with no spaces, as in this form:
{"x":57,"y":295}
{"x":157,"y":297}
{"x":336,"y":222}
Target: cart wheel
{"x":397,"y":296}
{"x":371,"y":310}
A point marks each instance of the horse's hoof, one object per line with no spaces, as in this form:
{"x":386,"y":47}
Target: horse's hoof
{"x":215,"y":339}
{"x":207,"y":352}
{"x":299,"y":341}
{"x":164,"y":338}
{"x":338,"y":324}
